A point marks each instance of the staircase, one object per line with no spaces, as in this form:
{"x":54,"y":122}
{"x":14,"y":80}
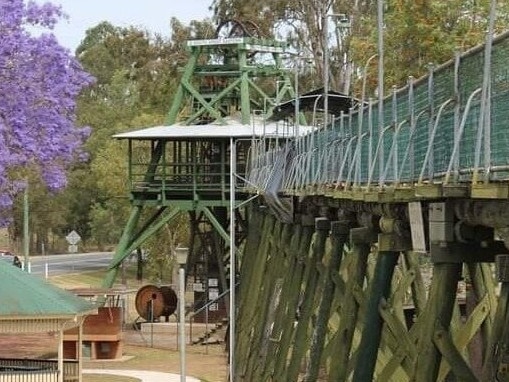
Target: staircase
{"x":213,"y":336}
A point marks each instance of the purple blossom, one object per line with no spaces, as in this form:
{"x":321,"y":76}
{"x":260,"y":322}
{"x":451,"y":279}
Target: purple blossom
{"x":39,"y":83}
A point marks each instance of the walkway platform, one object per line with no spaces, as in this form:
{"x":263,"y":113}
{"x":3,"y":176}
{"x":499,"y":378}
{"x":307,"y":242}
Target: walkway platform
{"x":145,"y":376}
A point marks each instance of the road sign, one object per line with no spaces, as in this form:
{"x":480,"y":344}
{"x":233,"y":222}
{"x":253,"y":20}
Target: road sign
{"x":73,"y":248}
{"x":73,"y":237}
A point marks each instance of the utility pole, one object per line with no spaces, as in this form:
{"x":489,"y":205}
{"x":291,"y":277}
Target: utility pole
{"x":26,"y":239}
{"x":325,"y":36}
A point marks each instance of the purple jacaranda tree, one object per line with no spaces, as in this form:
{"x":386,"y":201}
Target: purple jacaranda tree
{"x":39,"y":83}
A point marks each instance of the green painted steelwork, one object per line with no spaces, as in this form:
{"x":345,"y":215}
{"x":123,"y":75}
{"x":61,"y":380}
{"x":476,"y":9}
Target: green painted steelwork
{"x":154,"y":224}
{"x":179,"y":95}
{"x":186,"y":170}
{"x":219,"y":228}
{"x":174,"y":174}
{"x":120,"y":253}
{"x":216,"y":90}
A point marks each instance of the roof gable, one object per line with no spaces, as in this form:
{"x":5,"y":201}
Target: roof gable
{"x":25,"y":296}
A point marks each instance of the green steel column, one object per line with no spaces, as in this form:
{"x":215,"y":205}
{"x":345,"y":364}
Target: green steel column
{"x":155,"y":156}
{"x":438,"y":313}
{"x":149,"y":228}
{"x":110,"y":277}
{"x":300,"y":343}
{"x":339,"y":236}
{"x":217,"y":219}
{"x":179,"y":94}
{"x":342,"y":340}
{"x":297,"y":279}
{"x":372,"y":329}
{"x":245,"y":102}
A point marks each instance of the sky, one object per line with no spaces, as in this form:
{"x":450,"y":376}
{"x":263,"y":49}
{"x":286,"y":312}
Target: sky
{"x":152,"y":15}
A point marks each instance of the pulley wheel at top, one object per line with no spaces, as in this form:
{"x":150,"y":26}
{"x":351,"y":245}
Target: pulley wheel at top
{"x":231,"y":28}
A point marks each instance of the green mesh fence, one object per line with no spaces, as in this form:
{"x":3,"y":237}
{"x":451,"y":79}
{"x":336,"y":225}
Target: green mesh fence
{"x":430,"y":129}
{"x":407,"y":147}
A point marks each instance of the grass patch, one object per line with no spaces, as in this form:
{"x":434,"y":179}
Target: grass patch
{"x":208,"y":367}
{"x":79,"y":280}
{"x":211,"y":367}
{"x":94,"y":279}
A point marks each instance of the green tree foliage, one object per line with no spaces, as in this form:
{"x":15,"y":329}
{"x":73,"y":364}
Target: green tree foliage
{"x":416,"y":33}
{"x":161,"y":261}
{"x":419,"y":33}
{"x":75,"y":202}
{"x":45,"y":212}
{"x":301,"y":23}
{"x":105,"y":226}
{"x":53,"y":214}
{"x":137,"y":75}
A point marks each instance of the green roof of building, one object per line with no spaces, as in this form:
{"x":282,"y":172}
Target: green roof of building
{"x":23,"y":295}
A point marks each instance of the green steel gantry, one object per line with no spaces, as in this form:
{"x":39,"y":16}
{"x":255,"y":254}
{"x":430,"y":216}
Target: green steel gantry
{"x":184,"y":167}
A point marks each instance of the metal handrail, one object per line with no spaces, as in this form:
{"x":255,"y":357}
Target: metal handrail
{"x":460,"y":133}
{"x":393,"y":153}
{"x":211,"y":302}
{"x":413,"y":130}
{"x":377,"y":151}
{"x":431,"y":139}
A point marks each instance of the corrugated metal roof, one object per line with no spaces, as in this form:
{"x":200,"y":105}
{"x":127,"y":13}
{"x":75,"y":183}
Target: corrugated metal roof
{"x":25,"y":296}
{"x":314,"y":100}
{"x":231,"y":128}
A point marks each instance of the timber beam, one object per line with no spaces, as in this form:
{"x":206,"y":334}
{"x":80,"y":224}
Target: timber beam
{"x":311,"y":279}
{"x":339,"y":236}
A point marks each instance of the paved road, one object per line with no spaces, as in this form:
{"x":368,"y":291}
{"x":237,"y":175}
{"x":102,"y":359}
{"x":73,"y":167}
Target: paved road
{"x":62,"y":264}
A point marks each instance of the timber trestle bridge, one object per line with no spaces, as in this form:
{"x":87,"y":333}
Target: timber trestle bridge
{"x":371,"y":246}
